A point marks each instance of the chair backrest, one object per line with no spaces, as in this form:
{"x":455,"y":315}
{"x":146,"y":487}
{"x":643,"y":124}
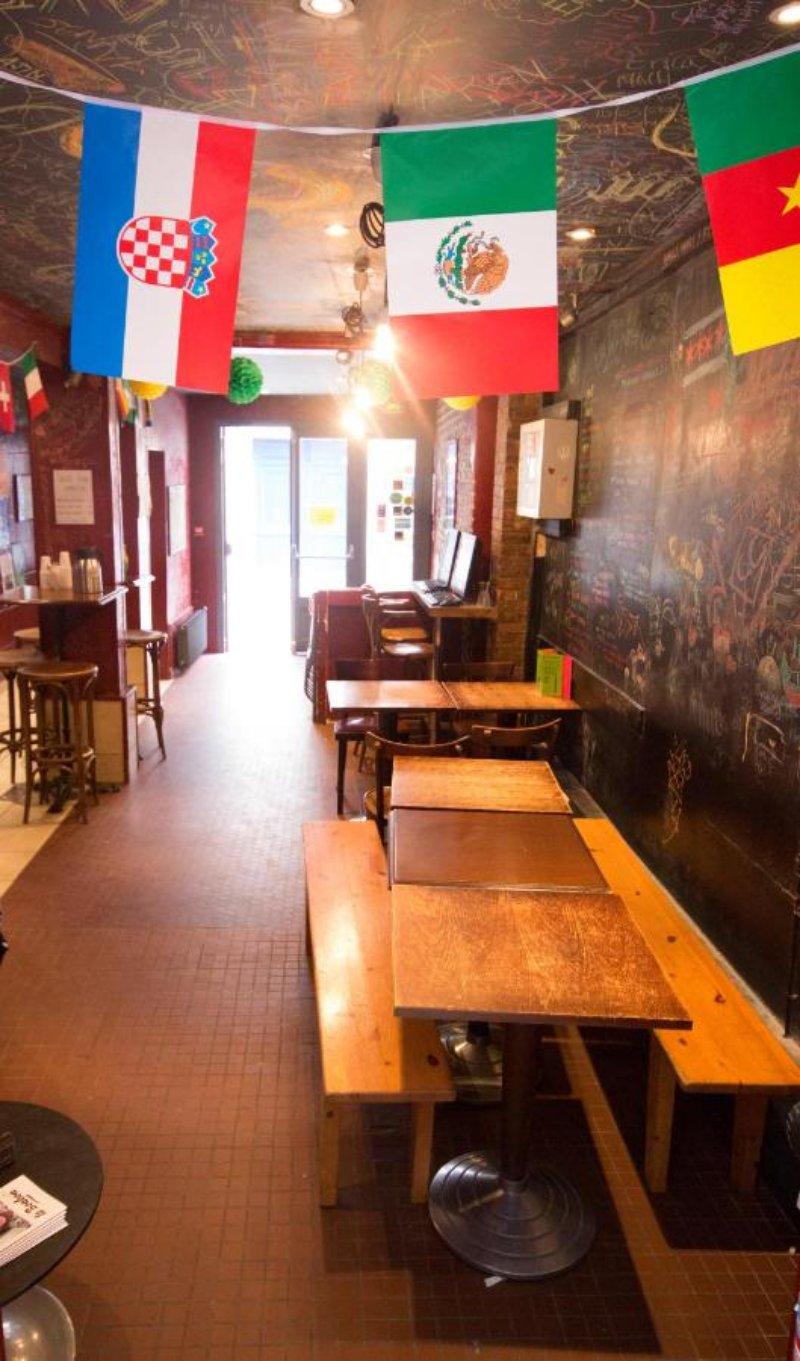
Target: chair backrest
{"x":371,"y":606}
{"x":477,"y":671}
{"x":536,"y":743}
{"x":370,"y":668}
{"x":385,"y":751}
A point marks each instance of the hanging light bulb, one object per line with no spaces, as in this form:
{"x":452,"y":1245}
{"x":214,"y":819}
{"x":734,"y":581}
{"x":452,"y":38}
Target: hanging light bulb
{"x":383,"y":346}
{"x":353,"y":422}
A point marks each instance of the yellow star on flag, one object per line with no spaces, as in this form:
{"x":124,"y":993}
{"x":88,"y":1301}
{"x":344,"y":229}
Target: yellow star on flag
{"x":792,"y":193}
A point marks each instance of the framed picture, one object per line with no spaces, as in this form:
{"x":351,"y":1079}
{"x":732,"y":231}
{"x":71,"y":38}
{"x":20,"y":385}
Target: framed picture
{"x":447,"y":508}
{"x":23,"y":497}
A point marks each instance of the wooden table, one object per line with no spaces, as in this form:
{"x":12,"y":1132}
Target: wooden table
{"x":386,"y":697}
{"x":461,"y":782}
{"x":475,"y":847}
{"x":506,"y":697}
{"x":403,"y":696}
{"x":61,"y":1158}
{"x":555,"y":957}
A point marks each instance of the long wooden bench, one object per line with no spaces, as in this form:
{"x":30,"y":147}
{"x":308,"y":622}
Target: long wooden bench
{"x":730,"y":1048}
{"x":368,"y":1053}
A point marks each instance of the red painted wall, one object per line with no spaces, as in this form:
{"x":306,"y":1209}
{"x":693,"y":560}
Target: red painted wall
{"x":170,"y":432}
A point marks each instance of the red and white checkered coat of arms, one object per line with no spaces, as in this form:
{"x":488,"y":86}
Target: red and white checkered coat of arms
{"x":169,"y":252}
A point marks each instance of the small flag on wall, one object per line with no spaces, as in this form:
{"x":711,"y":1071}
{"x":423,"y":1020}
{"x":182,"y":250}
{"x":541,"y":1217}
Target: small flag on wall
{"x":37,"y":401}
{"x":746,"y":125}
{"x":470,"y":219}
{"x":6,"y":400}
{"x":161,"y":219}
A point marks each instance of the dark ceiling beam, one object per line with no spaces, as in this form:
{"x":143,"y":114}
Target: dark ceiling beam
{"x":300,"y":340}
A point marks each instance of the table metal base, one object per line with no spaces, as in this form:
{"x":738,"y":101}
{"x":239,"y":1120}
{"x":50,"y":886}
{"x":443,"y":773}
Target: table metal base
{"x":476,"y":1063}
{"x":37,"y":1327}
{"x":523,"y":1230}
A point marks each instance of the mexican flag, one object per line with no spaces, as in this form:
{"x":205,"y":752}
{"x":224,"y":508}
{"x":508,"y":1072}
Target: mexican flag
{"x":37,"y":402}
{"x":470,"y":218}
{"x":746,"y":126}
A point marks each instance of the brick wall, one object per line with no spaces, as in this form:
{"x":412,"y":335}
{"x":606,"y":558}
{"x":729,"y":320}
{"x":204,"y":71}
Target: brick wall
{"x":512,"y":535}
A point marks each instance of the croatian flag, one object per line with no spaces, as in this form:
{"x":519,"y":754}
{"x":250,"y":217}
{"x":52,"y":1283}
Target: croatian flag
{"x":161,"y":219}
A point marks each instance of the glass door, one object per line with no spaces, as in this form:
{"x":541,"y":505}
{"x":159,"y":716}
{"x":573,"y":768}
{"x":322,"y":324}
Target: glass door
{"x":323,"y":556}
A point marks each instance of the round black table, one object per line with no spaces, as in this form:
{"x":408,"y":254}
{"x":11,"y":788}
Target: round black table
{"x":59,"y":1156}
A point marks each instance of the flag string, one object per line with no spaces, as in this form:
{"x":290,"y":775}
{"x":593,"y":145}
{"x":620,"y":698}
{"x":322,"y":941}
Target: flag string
{"x":320,"y":131}
{"x":19,"y":357}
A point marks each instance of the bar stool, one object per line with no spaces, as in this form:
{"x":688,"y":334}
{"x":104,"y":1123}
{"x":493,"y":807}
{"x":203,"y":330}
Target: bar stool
{"x":11,"y":659}
{"x":62,"y":744}
{"x":151,"y":641}
{"x":27,"y":637}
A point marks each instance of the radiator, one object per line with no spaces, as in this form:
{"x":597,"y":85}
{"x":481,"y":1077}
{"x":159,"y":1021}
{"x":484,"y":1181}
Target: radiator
{"x":191,"y":638}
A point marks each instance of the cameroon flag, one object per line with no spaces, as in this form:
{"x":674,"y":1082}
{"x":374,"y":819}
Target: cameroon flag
{"x":746,"y":126}
{"x":470,"y":220}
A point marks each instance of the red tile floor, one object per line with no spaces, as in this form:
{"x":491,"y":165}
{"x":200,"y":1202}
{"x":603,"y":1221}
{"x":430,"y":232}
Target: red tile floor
{"x":157,"y":991}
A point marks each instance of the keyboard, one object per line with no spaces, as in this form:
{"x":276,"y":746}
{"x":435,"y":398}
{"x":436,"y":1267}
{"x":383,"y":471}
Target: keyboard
{"x":436,"y":585}
{"x":441,"y":596}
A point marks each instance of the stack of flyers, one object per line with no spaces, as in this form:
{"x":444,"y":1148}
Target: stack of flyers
{"x":27,"y":1215}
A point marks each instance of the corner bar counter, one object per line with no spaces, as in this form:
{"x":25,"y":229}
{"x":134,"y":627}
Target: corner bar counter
{"x":74,"y":626}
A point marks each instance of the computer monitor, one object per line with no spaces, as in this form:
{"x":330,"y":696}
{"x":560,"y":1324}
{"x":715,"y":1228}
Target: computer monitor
{"x":448,"y":555}
{"x":463,"y":564}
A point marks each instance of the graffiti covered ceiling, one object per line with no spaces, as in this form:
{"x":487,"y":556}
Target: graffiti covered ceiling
{"x":627,"y":170}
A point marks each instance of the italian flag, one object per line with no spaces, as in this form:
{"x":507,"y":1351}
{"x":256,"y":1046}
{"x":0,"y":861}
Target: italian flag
{"x":746,"y":126}
{"x":37,"y":402}
{"x":470,"y":217}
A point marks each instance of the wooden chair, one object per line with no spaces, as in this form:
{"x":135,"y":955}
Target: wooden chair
{"x":353,"y":730}
{"x":376,"y":800}
{"x":395,"y":629}
{"x":536,"y":743}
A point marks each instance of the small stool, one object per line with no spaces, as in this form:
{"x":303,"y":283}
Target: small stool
{"x":27,"y":637}
{"x":62,"y":744}
{"x":11,"y":659}
{"x":151,"y":641}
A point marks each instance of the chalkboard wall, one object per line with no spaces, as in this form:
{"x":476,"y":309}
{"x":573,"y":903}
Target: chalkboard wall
{"x":679,"y":592}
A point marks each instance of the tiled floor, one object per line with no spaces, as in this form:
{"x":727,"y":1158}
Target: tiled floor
{"x":157,"y":991}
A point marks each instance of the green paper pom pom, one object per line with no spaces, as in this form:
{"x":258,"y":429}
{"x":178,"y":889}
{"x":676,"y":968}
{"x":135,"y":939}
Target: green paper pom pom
{"x":246,"y":380}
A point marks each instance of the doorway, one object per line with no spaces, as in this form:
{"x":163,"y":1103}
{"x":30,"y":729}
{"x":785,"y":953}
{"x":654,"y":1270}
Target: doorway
{"x":257,"y":518}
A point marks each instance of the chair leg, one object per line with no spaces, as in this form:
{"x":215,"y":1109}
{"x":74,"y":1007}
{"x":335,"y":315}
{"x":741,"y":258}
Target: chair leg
{"x":158,"y":710}
{"x":341,"y":761}
{"x":329,"y":1153}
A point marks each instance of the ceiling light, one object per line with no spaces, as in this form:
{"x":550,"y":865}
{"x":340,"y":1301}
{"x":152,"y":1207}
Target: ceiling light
{"x":336,"y":229}
{"x":785,"y":15}
{"x":581,"y":233}
{"x":327,"y":9}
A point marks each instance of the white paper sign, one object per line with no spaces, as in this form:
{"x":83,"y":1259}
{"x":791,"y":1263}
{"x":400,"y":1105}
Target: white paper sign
{"x":73,"y":494}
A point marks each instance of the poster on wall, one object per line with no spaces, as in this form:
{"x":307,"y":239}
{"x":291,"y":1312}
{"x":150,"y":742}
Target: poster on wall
{"x":176,"y":527}
{"x":73,"y":496}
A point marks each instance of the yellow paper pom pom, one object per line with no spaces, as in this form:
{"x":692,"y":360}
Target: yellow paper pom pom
{"x":149,"y":391}
{"x":461,"y":403}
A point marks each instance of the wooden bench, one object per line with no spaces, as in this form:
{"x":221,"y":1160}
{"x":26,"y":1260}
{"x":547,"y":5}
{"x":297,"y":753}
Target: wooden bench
{"x":730,"y":1048}
{"x":368,"y":1053}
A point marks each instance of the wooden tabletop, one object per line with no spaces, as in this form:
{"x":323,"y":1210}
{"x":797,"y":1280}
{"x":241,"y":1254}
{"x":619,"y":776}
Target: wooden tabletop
{"x":496,"y":955}
{"x":461,"y":782}
{"x":462,"y":609}
{"x":518,"y":696}
{"x":32,"y":595}
{"x":397,"y":696}
{"x":499,"y":849}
